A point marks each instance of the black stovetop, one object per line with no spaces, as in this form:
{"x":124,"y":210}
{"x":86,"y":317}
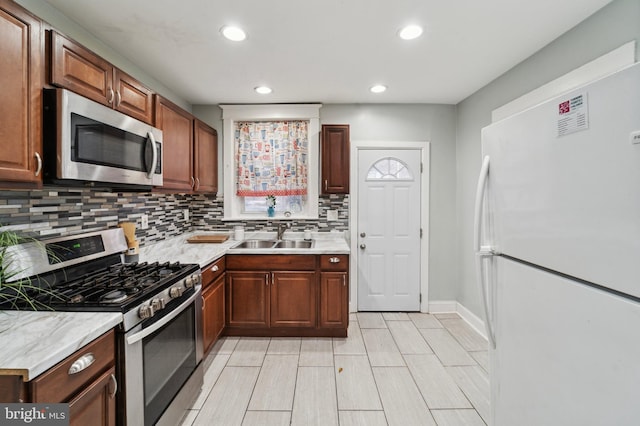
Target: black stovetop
{"x":105,"y":286}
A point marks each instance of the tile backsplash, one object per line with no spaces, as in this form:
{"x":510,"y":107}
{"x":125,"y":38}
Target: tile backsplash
{"x":62,"y":211}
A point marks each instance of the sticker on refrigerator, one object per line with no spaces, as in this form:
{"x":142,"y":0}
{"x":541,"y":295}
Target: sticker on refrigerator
{"x":573,"y":115}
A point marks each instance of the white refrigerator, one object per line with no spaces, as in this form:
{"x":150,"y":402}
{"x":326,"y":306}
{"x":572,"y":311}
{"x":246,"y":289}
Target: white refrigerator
{"x":557,"y":224}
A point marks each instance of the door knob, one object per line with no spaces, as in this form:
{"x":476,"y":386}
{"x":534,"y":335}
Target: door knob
{"x":363,"y":246}
{"x":363,"y":234}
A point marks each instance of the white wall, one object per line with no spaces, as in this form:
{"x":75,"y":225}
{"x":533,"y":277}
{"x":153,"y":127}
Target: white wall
{"x":612,"y":26}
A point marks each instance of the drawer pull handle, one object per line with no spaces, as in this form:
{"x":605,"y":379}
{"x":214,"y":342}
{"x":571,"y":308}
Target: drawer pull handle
{"x":334,"y":260}
{"x":115,"y":386}
{"x":215,"y":268}
{"x":81,"y":363}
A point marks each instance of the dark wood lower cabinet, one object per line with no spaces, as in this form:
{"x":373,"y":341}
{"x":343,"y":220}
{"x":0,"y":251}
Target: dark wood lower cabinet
{"x":248,"y":299}
{"x":213,"y":312}
{"x":96,"y":404}
{"x":293,"y":299}
{"x":334,"y":300}
{"x":274,"y":301}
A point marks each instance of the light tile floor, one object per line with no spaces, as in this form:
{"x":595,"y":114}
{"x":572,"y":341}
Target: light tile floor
{"x":393,"y":369}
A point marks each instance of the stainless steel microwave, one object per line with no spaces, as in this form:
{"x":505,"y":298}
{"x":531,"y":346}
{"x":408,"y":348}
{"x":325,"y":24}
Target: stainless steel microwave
{"x":86,"y":142}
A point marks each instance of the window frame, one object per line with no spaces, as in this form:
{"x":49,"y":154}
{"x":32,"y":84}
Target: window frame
{"x":233,"y":204}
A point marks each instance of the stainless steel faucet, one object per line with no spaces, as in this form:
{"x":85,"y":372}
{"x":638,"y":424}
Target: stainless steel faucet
{"x":281,"y":228}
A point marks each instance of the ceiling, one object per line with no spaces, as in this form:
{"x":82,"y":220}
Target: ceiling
{"x":328,"y":51}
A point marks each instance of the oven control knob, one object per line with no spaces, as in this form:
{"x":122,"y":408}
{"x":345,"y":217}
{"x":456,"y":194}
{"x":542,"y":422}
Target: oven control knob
{"x":157,"y":304}
{"x":192,"y":280}
{"x":146,"y":311}
{"x":188,"y":282}
{"x":176,"y":291}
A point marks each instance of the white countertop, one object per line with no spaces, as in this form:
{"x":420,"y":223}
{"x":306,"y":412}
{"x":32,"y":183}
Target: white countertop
{"x":33,"y":342}
{"x":178,"y":249}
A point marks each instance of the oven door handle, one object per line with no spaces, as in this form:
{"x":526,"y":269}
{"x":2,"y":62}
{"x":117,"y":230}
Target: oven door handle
{"x":162,"y":322}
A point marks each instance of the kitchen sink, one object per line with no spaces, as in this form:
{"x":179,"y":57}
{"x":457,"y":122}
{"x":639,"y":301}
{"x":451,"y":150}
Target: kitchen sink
{"x":274,"y":244}
{"x":293,"y":244}
{"x":253,"y":244}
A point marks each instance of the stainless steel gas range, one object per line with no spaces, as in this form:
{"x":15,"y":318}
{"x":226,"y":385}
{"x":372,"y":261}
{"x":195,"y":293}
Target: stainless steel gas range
{"x":160,"y":339}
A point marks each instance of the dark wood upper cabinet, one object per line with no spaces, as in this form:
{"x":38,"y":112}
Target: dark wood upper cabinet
{"x":177,"y":145}
{"x":76,"y":68}
{"x":205,"y":161}
{"x":335,"y":159}
{"x":190,"y":150}
{"x":21,"y":80}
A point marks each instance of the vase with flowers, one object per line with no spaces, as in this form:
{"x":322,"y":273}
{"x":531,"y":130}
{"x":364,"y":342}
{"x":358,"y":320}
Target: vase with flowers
{"x":271,"y":205}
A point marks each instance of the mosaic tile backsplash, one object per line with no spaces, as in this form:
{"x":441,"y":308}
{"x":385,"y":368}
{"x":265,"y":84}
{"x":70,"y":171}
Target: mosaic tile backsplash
{"x":62,"y":211}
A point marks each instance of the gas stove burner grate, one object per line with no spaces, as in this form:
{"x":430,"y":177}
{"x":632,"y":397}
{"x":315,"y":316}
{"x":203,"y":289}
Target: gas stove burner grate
{"x":115,"y":296}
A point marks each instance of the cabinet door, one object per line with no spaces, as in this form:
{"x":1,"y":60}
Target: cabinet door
{"x":335,"y":159}
{"x":177,"y":142}
{"x":80,"y":70}
{"x":293,"y":299}
{"x":206,"y":158}
{"x":132,"y":98}
{"x":96,"y":404}
{"x":21,"y":95}
{"x":247,"y":299}
{"x":213,"y":312}
{"x":334,"y":300}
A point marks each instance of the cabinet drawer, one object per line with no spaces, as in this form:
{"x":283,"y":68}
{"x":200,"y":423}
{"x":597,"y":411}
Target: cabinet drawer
{"x":57,"y":385}
{"x":271,"y":262}
{"x":334,"y":262}
{"x":212,"y":271}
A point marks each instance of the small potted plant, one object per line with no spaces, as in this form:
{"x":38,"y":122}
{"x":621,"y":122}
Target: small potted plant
{"x":271,"y":205}
{"x":17,"y":293}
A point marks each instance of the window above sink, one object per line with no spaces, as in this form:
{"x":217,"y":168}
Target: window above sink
{"x":239,"y":207}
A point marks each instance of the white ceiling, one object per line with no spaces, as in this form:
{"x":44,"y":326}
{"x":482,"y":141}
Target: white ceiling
{"x":328,"y":51}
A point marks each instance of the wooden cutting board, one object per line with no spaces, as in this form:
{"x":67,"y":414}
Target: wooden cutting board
{"x":208,"y":239}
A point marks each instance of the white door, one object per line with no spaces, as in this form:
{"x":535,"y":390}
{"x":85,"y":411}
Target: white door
{"x":389,"y":230}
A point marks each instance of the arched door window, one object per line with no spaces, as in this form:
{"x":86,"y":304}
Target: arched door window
{"x":389,"y":169}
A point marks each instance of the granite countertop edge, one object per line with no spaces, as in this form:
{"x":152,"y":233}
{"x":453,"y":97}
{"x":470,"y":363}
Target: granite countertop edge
{"x":32,"y":342}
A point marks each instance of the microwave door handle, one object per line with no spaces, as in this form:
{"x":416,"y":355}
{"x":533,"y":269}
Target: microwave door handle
{"x":154,"y":161}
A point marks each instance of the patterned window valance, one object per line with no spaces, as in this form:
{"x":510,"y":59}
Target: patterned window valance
{"x":271,"y":158}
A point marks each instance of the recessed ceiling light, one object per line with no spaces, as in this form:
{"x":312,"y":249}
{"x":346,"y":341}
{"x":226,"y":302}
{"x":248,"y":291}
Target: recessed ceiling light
{"x":263,"y":90}
{"x":410,"y":32}
{"x":233,"y":33}
{"x":378,"y":88}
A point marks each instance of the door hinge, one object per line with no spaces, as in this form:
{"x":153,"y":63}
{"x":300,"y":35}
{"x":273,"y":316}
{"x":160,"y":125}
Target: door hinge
{"x":421,"y":167}
{"x":420,"y":297}
{"x":420,"y":232}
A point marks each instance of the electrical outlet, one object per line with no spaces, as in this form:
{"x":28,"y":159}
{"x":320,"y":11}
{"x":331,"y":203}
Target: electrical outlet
{"x":185,"y":212}
{"x":332,"y":214}
{"x":144,"y":221}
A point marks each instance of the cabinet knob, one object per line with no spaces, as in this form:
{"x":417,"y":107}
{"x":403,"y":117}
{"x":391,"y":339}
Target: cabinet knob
{"x":334,"y":260}
{"x":215,"y":268}
{"x":363,"y":234}
{"x":118,"y":98}
{"x":111,"y":95}
{"x":363,"y":246}
{"x":81,"y":363}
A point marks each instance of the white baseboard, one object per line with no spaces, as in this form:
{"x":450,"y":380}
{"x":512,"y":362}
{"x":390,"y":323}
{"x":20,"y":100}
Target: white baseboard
{"x":446,"y":306}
